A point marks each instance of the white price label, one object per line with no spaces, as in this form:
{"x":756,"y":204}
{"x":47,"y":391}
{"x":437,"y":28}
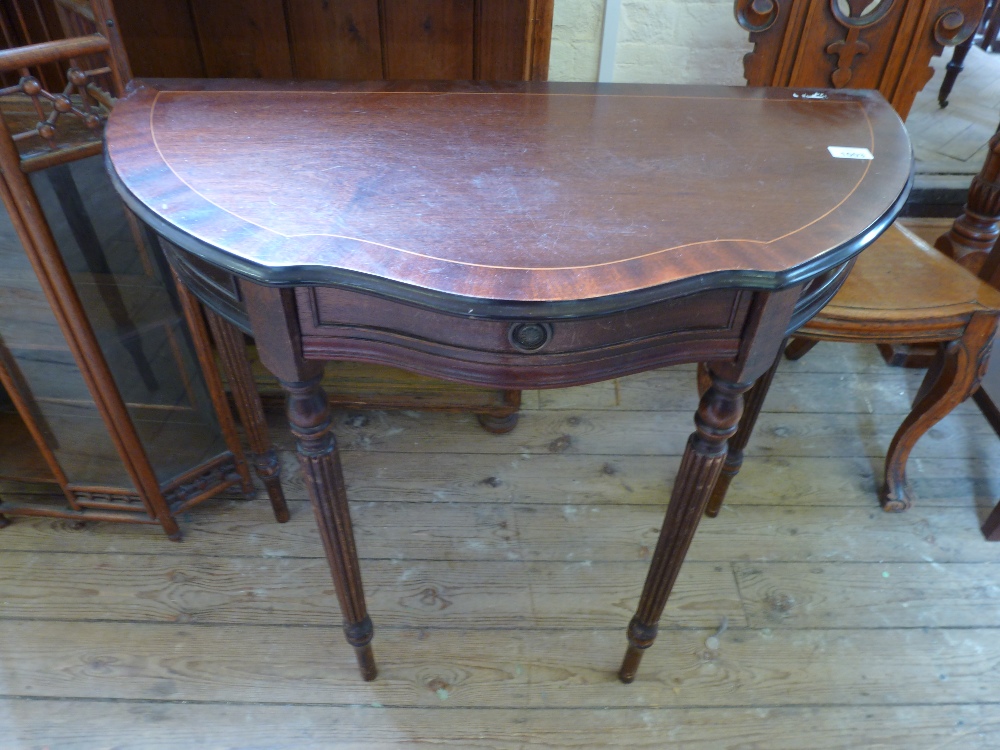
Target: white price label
{"x":844,"y":152}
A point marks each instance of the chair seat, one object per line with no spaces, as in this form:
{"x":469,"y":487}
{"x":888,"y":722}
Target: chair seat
{"x":902,"y":289}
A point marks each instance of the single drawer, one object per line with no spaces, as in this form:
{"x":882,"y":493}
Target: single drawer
{"x":344,"y":324}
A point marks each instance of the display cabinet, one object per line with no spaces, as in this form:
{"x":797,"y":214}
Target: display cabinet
{"x":110,"y":389}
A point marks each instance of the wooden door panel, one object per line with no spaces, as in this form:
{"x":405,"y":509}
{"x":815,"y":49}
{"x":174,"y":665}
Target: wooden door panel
{"x":160,"y":38}
{"x":428,"y":39}
{"x":338,"y":39}
{"x":242,"y":38}
{"x":325,"y":39}
{"x":502,"y":37}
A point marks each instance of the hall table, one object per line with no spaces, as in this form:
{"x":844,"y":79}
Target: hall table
{"x":513,"y":235}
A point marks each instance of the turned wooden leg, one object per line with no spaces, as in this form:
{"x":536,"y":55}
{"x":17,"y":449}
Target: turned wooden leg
{"x":798,"y":347}
{"x":309,"y":417}
{"x":752,"y":403}
{"x":500,"y":425}
{"x":715,"y":422}
{"x":497,"y":425}
{"x":947,"y":384}
{"x":232,"y":354}
{"x":955,"y":66}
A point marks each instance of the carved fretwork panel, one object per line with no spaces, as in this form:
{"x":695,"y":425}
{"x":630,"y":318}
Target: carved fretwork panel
{"x":865,"y":44}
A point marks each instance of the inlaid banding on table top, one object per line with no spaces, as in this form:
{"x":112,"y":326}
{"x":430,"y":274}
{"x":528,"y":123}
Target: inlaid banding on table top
{"x":547,"y":195}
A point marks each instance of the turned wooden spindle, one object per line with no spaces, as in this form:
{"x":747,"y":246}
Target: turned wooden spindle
{"x":752,"y":404}
{"x":715,"y":422}
{"x":976,"y":230}
{"x":309,"y":417}
{"x":232,"y":355}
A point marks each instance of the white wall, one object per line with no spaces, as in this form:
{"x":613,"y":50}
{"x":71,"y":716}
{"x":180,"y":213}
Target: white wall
{"x":659,"y":41}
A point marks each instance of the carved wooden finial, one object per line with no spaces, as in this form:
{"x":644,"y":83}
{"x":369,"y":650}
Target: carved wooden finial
{"x":756,"y":15}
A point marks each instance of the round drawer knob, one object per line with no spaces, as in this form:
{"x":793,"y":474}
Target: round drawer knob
{"x":530,"y":337}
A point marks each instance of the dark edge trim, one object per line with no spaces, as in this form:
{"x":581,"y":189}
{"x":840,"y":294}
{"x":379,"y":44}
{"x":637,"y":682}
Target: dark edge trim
{"x":477,"y":307}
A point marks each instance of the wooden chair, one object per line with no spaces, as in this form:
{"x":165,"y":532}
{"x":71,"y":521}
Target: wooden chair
{"x":859,"y":44}
{"x":986,"y":36}
{"x":900,"y":290}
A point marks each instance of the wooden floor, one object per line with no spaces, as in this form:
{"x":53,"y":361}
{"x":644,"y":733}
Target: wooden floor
{"x":951,"y":142}
{"x":502,"y":570}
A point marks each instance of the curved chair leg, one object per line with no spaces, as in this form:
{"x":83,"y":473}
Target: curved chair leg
{"x":798,"y":347}
{"x":948,"y":384}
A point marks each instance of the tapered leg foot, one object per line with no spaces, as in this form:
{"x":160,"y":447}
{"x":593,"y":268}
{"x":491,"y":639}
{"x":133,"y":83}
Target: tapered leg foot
{"x":269,"y":470}
{"x":730,"y":469}
{"x":715,"y":422}
{"x":309,"y":417}
{"x":277,"y":497}
{"x":991,"y":528}
{"x":640,"y":637}
{"x":366,"y":663}
{"x":170,"y":527}
{"x":498,"y":425}
{"x":953,"y":379}
{"x":4,"y":521}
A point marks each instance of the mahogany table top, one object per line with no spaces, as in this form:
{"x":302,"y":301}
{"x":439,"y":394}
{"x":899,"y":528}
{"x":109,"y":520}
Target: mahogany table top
{"x":528,"y":193}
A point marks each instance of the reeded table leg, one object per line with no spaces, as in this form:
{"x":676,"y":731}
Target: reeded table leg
{"x":232,"y":354}
{"x":309,"y":417}
{"x":715,"y":422}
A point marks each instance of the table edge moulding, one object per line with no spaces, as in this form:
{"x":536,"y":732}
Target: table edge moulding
{"x":516,"y":235}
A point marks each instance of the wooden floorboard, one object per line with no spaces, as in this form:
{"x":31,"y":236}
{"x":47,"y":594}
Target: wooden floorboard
{"x":502,"y":570}
{"x":73,"y":725}
{"x":952,"y":141}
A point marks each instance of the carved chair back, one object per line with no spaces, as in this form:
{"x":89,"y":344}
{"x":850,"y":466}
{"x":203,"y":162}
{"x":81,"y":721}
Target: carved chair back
{"x":861,"y":44}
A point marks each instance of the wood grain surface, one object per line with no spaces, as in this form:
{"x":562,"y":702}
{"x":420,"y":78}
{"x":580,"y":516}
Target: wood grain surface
{"x":502,"y":577}
{"x":521,"y":192}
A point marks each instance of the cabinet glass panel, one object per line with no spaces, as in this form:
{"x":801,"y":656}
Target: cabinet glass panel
{"x":36,"y":357}
{"x":124,"y":284}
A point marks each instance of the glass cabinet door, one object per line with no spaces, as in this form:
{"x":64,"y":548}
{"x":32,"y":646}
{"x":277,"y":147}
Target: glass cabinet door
{"x":123,"y":282}
{"x":44,"y":376}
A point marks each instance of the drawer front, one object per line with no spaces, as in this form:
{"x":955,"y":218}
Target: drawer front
{"x":342,"y":324}
{"x":216,"y":288}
